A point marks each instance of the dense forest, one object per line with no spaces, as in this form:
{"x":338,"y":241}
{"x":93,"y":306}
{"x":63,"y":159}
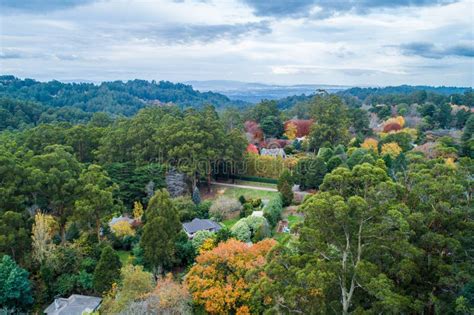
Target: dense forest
{"x":76,"y":102}
{"x":352,"y":203}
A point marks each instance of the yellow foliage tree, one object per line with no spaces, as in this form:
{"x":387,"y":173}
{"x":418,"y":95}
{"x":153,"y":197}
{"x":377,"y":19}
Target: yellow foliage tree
{"x":42,"y":234}
{"x":137,"y":210}
{"x":290,"y":131}
{"x":122,"y":229}
{"x":392,"y":149}
{"x":207,"y":245}
{"x":397,"y":120}
{"x":220,"y":280}
{"x":450,"y":162}
{"x":370,"y":144}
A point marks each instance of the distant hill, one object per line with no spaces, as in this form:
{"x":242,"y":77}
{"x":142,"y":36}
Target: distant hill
{"x":116,"y":98}
{"x":255,"y":92}
{"x":363,"y":93}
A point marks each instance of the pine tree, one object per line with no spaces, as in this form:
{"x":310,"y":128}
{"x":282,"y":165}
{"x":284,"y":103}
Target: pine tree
{"x":107,"y":271}
{"x":196,"y":196}
{"x":285,"y":185}
{"x":160,"y":233}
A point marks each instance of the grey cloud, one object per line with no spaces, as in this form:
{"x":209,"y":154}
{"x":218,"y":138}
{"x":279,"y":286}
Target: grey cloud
{"x":39,"y":6}
{"x":429,"y":50}
{"x":201,"y":33}
{"x":300,"y":8}
{"x":11,"y":54}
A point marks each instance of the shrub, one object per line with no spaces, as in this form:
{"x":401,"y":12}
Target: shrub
{"x":356,"y":157}
{"x":185,"y":207}
{"x":122,"y":229}
{"x":246,"y":210}
{"x":272,"y":211}
{"x":202,"y":209}
{"x":251,"y":229}
{"x":285,"y":185}
{"x":339,"y":150}
{"x":325,"y":153}
{"x":200,"y":237}
{"x":224,"y":207}
{"x":241,"y":231}
{"x":334,"y":162}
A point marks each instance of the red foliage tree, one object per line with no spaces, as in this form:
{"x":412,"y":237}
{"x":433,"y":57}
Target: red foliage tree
{"x":391,"y":127}
{"x":253,"y":131}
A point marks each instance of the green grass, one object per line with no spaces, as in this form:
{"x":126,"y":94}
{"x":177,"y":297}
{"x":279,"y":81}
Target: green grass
{"x":230,"y":222}
{"x":282,"y":238}
{"x":124,"y":256}
{"x":294,"y":219}
{"x":233,"y":192}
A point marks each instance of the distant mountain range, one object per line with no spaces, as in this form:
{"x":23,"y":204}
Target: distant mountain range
{"x":255,"y":92}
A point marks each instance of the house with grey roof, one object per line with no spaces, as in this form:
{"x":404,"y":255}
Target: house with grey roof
{"x":200,"y":225}
{"x":275,"y":152}
{"x":76,"y":304}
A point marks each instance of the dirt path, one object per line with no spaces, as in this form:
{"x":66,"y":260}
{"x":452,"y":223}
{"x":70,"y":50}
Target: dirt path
{"x":245,"y":186}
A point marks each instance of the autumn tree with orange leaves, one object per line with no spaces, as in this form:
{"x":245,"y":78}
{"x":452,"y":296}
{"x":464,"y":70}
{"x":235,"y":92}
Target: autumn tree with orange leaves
{"x":222,"y":278}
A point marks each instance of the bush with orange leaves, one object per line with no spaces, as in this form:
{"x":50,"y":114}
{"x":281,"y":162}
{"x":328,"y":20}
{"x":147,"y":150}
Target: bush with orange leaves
{"x":222,"y":278}
{"x":370,"y":144}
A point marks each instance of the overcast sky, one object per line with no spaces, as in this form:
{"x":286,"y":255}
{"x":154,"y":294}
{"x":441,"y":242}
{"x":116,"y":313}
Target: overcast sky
{"x":363,"y":42}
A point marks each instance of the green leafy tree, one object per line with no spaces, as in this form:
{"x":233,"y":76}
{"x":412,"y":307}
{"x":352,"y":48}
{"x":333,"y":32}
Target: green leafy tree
{"x":107,"y":270}
{"x":331,"y":122}
{"x":13,"y":191}
{"x":194,"y":143}
{"x":467,"y":138}
{"x":264,"y":109}
{"x":360,"y":121}
{"x":15,"y":287}
{"x":272,"y":126}
{"x":310,"y":172}
{"x":55,"y":174}
{"x":14,"y":235}
{"x":96,"y":196}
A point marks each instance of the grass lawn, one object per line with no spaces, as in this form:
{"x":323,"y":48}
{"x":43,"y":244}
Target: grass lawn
{"x":124,"y":256}
{"x":293,"y":219}
{"x":233,"y":192}
{"x":230,"y":222}
{"x":282,"y":238}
